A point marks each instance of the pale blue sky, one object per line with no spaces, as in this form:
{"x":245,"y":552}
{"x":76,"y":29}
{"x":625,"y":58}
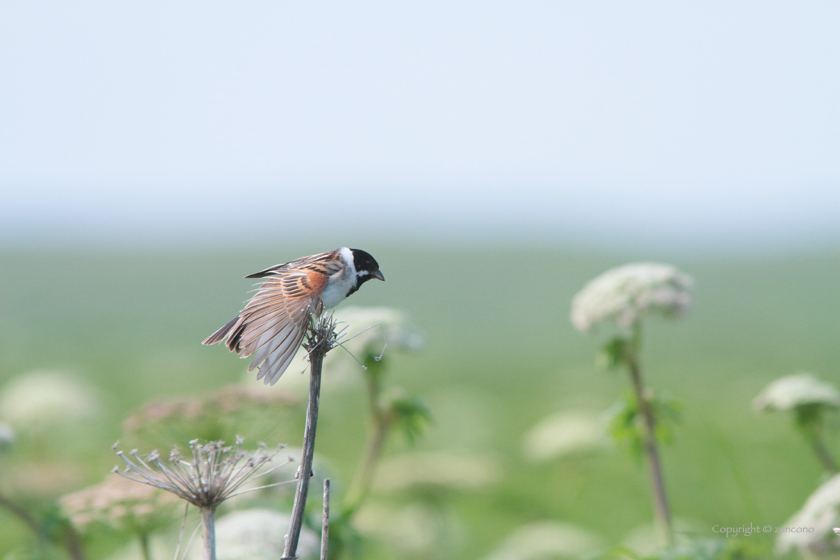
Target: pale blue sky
{"x":713,"y":123}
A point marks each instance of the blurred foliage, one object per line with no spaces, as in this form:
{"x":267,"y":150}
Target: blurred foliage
{"x":614,"y":354}
{"x":625,"y":424}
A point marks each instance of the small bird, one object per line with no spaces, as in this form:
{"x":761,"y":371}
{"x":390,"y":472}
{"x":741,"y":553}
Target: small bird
{"x":275,"y":320}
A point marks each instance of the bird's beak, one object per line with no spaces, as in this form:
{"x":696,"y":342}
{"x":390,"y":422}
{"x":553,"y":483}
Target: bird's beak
{"x":378,"y":275}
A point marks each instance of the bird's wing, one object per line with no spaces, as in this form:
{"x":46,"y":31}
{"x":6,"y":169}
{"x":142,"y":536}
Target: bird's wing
{"x":274,"y":321}
{"x":297,"y":263}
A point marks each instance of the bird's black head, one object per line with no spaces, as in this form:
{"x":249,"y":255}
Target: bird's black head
{"x":366,"y":266}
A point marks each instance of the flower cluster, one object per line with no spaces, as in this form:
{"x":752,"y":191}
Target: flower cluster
{"x":120,"y":504}
{"x":380,"y":327}
{"x":213,"y":473}
{"x":794,"y":391}
{"x":41,"y":400}
{"x":622,"y":296}
{"x":565,"y":433}
{"x":227,"y":400}
{"x":820,"y":516}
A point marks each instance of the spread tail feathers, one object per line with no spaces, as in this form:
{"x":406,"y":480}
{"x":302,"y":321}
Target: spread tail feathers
{"x":220,"y":334}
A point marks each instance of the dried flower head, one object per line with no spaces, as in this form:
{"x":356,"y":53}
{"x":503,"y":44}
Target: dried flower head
{"x":120,"y":504}
{"x":622,"y":296}
{"x":819,"y":515}
{"x":210,"y":474}
{"x":795,"y":391}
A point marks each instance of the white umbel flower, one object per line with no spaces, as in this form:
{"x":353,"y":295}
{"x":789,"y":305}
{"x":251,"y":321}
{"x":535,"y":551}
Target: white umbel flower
{"x":7,"y":436}
{"x":41,"y":399}
{"x":564,"y":434}
{"x":793,"y":391}
{"x":444,"y":470}
{"x":381,"y":325}
{"x":548,"y":539}
{"x":257,"y":534}
{"x":811,"y":529}
{"x":121,"y":504}
{"x":622,"y":296}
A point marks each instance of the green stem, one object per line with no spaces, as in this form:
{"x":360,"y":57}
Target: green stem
{"x":660,"y":498}
{"x":823,"y":454}
{"x":19,"y":512}
{"x":73,"y":542}
{"x":144,"y":546}
{"x":380,"y":426}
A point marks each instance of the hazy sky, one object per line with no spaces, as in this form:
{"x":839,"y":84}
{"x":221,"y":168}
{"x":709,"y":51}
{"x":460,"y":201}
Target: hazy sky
{"x":712,"y":122}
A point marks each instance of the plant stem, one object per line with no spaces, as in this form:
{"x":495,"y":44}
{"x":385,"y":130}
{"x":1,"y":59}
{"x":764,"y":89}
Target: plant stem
{"x":73,"y":542}
{"x":823,"y":454}
{"x":316,"y":358}
{"x":144,"y":546}
{"x":19,"y":512}
{"x":380,"y":426}
{"x":325,"y":528}
{"x":208,"y":521}
{"x":663,"y":510}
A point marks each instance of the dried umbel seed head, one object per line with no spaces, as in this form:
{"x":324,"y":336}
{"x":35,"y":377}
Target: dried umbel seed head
{"x":209,"y":475}
{"x":623,"y":296}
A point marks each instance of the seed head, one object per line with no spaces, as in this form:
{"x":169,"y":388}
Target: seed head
{"x":212,"y":474}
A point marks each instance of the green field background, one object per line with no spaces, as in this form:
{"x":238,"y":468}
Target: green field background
{"x":500,"y":355}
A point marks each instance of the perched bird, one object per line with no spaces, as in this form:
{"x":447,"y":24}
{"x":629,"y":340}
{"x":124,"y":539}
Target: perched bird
{"x":275,"y":320}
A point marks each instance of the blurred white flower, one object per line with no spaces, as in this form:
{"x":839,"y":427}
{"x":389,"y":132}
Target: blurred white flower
{"x":548,"y":539}
{"x":647,"y":540}
{"x":452,"y":471}
{"x":258,"y":534}
{"x":792,"y":391}
{"x":7,"y":436}
{"x":36,"y":400}
{"x":622,"y":296}
{"x":818,"y":516}
{"x":372,"y":327}
{"x":121,"y":504}
{"x":159,"y":547}
{"x":266,"y":485}
{"x":230,"y":399}
{"x":565,"y":433}
{"x":416,"y":529}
